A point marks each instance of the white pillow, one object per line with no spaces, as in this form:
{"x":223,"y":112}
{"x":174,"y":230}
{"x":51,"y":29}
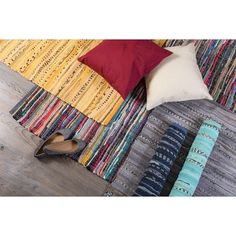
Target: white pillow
{"x":176,"y":78}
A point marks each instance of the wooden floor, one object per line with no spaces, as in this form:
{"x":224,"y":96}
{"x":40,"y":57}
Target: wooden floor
{"x":20,"y":173}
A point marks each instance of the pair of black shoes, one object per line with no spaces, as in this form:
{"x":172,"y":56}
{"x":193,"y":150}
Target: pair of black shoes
{"x":60,"y":144}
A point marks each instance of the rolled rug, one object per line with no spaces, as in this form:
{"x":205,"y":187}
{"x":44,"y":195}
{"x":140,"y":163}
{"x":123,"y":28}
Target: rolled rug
{"x":160,"y":165}
{"x":195,"y":162}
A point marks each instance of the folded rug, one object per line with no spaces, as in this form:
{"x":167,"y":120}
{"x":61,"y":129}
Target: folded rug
{"x":202,"y":146}
{"x":159,"y":167}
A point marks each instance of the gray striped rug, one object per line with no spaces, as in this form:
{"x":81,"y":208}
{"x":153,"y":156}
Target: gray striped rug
{"x":219,"y":176}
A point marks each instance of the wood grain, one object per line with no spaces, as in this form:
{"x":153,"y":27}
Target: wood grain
{"x":20,"y":173}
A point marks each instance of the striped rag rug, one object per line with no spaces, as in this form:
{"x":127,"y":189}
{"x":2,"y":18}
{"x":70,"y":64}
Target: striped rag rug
{"x":42,"y":113}
{"x":195,"y":162}
{"x":53,"y":65}
{"x":217,"y":62}
{"x":160,"y":165}
{"x":219,"y":175}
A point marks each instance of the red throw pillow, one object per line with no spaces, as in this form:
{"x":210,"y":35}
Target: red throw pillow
{"x":123,"y":63}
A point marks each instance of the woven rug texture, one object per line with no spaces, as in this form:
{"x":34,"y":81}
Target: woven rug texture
{"x":108,"y":145}
{"x":42,"y":113}
{"x":219,"y":175}
{"x":53,"y":65}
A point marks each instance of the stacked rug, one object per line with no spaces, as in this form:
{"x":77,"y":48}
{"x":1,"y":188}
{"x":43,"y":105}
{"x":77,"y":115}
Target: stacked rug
{"x":53,"y":65}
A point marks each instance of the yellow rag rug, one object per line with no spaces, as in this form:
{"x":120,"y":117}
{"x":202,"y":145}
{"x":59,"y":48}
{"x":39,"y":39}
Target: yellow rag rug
{"x":53,"y":65}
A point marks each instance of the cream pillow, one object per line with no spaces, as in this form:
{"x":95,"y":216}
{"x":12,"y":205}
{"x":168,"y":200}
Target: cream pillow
{"x":177,"y":78}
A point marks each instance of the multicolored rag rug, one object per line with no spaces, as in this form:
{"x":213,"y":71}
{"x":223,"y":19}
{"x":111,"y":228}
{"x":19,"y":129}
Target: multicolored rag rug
{"x":42,"y":113}
{"x":219,"y":175}
{"x":217,"y":62}
{"x":53,"y":65}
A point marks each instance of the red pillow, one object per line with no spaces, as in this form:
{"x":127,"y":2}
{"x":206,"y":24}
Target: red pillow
{"x":123,"y":63}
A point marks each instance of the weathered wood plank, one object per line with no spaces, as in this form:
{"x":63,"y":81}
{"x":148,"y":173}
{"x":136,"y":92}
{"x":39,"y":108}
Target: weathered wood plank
{"x":20,"y":173}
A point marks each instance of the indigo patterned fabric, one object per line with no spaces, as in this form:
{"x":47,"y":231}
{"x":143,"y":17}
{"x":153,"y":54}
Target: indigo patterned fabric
{"x":189,"y":176}
{"x":159,"y":167}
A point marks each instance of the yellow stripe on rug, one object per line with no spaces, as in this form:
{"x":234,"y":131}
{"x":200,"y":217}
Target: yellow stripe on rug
{"x":53,"y":65}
